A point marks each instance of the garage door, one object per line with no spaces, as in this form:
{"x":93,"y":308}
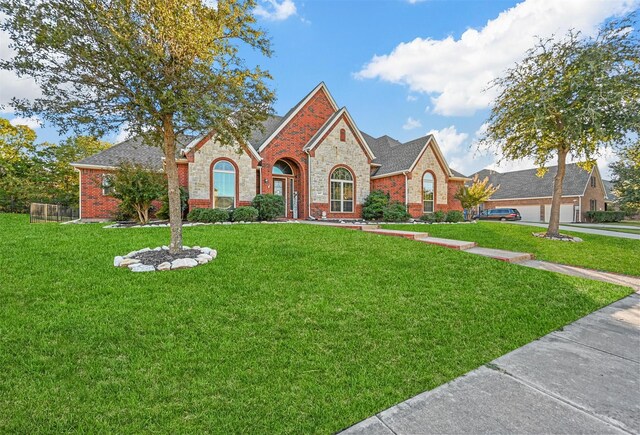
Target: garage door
{"x":566,"y":212}
{"x":529,"y":213}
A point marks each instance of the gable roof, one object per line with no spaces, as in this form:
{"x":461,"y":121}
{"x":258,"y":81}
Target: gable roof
{"x":457,"y":174}
{"x":132,"y":151}
{"x":608,"y":190}
{"x":294,"y":110}
{"x":526,"y":184}
{"x":330,"y":123}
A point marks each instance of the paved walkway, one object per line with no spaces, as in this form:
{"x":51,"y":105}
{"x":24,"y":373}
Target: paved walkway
{"x":605,"y":226}
{"x":584,"y":378}
{"x":580,"y":230}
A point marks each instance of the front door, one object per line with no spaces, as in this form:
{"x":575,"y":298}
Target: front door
{"x":280,"y":188}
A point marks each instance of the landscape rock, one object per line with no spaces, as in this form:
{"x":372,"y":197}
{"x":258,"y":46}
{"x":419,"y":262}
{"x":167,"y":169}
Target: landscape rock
{"x":183,"y":263}
{"x":117,"y":260}
{"x":213,"y":254}
{"x":126,"y":262}
{"x":141,"y":268}
{"x":164,"y":266}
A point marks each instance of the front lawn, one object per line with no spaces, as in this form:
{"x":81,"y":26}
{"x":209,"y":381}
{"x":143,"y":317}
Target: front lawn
{"x":611,"y":254}
{"x":293,"y":329}
{"x":608,"y":228}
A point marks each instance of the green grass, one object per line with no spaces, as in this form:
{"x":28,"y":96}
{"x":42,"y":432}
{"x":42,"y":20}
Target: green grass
{"x":604,"y":253}
{"x":613,"y":229}
{"x":293,"y":329}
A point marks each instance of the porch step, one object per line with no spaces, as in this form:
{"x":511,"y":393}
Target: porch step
{"x":447,"y":243}
{"x":398,"y":233}
{"x":502,"y":255}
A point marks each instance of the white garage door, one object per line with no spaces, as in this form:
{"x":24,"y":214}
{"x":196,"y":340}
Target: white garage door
{"x":529,"y":213}
{"x":566,"y":212}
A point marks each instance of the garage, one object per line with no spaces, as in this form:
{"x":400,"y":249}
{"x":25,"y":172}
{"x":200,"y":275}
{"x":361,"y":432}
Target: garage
{"x":529,"y":213}
{"x":566,"y":212}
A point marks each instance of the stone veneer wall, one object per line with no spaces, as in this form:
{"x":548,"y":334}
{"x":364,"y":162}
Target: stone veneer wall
{"x":200,"y":173}
{"x":327,"y":155}
{"x":428,"y":161}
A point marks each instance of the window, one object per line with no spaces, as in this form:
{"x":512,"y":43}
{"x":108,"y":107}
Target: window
{"x":281,"y":168}
{"x":107,"y":189}
{"x":427,"y":192}
{"x":224,"y":185}
{"x":593,"y":181}
{"x":593,"y":205}
{"x":341,"y":191}
{"x":343,"y":135}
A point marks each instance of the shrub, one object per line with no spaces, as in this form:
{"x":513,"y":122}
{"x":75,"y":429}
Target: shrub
{"x":454,"y":216}
{"x":163,"y":211}
{"x":439,"y":216}
{"x":605,"y":216}
{"x":269,"y":206}
{"x":395,"y":212}
{"x":374,"y":205}
{"x":245,"y":214}
{"x":428,"y":217}
{"x":208,"y":215}
{"x":124,"y":212}
{"x":137,"y":187}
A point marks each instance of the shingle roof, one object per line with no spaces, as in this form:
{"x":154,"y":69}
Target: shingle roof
{"x":608,"y":190}
{"x":456,"y":173}
{"x":526,"y":184}
{"x":392,"y":155}
{"x":271,"y":124}
{"x":133,"y":151}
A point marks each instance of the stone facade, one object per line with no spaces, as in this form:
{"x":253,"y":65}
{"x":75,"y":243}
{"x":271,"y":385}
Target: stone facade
{"x":201,"y":175}
{"x":428,"y":163}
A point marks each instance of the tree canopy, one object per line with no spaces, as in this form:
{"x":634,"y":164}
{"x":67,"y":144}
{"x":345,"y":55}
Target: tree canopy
{"x":626,"y":179}
{"x":569,"y":97}
{"x":476,"y":193}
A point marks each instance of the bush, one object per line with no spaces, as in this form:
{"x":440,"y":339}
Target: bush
{"x":439,"y":216}
{"x":374,"y":205}
{"x":605,"y":216}
{"x":163,"y":211}
{"x":124,"y":212}
{"x":395,"y":212}
{"x":428,"y":217}
{"x":269,"y":206}
{"x":454,"y":216}
{"x":208,"y":215}
{"x":245,"y":214}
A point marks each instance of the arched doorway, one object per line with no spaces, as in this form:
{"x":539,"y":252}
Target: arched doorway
{"x":284,"y":184}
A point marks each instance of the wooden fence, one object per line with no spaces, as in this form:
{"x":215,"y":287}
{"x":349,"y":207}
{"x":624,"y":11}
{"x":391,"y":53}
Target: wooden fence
{"x":52,"y":213}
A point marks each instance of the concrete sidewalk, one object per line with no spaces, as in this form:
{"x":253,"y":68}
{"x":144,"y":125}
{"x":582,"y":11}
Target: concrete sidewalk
{"x":579,"y":230}
{"x":584,"y":378}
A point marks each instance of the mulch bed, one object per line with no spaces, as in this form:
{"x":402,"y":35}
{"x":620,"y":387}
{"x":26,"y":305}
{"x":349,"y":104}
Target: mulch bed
{"x":155,"y":258}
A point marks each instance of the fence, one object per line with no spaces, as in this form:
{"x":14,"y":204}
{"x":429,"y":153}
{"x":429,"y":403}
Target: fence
{"x":52,"y":213}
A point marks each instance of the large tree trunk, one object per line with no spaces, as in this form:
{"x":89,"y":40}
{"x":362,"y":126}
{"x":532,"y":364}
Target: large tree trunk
{"x":171,"y":169}
{"x":554,"y":219}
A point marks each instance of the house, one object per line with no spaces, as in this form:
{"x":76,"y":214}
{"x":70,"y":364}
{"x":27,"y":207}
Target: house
{"x":582,"y":191}
{"x":314,"y":156}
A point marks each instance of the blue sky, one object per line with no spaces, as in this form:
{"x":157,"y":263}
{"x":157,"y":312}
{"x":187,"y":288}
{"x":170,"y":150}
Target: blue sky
{"x":402,"y":67}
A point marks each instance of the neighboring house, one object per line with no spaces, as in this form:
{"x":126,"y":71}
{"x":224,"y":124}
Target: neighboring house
{"x":531,"y":195}
{"x":610,"y":200}
{"x":314,"y":156}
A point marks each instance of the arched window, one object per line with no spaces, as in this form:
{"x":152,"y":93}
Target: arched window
{"x":343,"y":135}
{"x":427,"y":192}
{"x":281,"y":168}
{"x":224,"y":185}
{"x":341,"y":191}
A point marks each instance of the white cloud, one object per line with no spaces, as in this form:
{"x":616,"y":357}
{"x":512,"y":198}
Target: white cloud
{"x":123,"y":134}
{"x":33,"y":122}
{"x":411,"y":124}
{"x":413,"y":2}
{"x":12,"y":85}
{"x":449,"y":140}
{"x":412,"y":98}
{"x":455,"y":71}
{"x":275,"y":11}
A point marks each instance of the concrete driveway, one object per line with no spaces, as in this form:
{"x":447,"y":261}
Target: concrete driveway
{"x":584,"y":378}
{"x":580,"y":230}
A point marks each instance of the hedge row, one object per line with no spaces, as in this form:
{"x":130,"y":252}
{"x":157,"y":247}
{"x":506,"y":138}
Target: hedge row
{"x":605,"y":216}
{"x":211,"y":215}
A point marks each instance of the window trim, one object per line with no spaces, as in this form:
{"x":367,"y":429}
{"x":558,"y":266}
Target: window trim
{"x":433,"y":201}
{"x":212,"y":181}
{"x":342,"y":183}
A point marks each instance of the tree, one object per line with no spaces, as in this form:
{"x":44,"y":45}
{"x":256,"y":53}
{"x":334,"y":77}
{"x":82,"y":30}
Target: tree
{"x":476,"y":193}
{"x":136,"y":187}
{"x":160,"y":68}
{"x":17,"y":165}
{"x":569,"y":97}
{"x":626,"y":179}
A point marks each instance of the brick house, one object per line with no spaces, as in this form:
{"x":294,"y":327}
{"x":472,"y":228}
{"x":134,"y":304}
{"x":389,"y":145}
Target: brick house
{"x":582,"y":191}
{"x":314,"y":156}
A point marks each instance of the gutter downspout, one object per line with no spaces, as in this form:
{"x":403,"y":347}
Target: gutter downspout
{"x":406,"y":189}
{"x":79,"y":194}
{"x":309,"y":184}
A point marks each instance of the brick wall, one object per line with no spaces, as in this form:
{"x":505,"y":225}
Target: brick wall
{"x":289,"y":144}
{"x":596,"y":193}
{"x":393,"y":185}
{"x":93,"y":204}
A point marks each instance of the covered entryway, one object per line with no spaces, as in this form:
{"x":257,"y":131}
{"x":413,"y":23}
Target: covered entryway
{"x":284,"y":184}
